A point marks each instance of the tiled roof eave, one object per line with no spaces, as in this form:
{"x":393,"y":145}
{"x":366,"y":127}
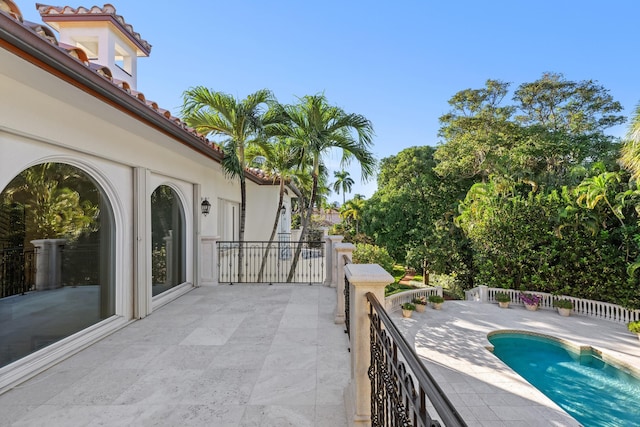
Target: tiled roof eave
{"x":37,"y":50}
{"x":28,"y":45}
{"x":142,"y":45}
{"x":105,"y":13}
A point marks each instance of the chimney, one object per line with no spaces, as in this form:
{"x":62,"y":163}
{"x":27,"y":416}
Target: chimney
{"x":105,"y":37}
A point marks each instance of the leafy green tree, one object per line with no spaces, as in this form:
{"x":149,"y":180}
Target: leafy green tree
{"x":54,"y":207}
{"x":411,"y":213}
{"x":553,"y":126}
{"x":477,"y":132}
{"x":343,"y":183}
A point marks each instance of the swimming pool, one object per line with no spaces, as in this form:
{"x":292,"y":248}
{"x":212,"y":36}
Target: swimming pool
{"x":593,"y":391}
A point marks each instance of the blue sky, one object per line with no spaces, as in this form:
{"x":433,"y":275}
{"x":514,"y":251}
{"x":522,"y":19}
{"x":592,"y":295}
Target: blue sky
{"x":397,"y":63}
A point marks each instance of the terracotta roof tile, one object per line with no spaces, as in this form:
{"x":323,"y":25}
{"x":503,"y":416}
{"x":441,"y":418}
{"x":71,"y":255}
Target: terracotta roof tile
{"x":11,"y":9}
{"x":42,"y":30}
{"x":102,"y":70}
{"x":47,"y":11}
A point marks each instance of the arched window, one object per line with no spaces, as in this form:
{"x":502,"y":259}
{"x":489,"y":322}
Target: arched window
{"x":56,"y":258}
{"x":167,"y":240}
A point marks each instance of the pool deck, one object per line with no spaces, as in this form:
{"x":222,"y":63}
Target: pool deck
{"x":452,"y":343}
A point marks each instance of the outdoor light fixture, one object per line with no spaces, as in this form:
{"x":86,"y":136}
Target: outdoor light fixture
{"x":205,"y":206}
{"x":283,"y":209}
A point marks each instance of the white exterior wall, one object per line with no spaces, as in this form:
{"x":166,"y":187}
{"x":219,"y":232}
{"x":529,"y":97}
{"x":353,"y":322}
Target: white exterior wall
{"x":45,"y":119}
{"x":262,"y":202}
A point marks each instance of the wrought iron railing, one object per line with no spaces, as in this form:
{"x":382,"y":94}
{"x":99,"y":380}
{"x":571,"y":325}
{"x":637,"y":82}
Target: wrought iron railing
{"x":17,"y":271}
{"x":347,"y":329}
{"x":400,"y":383}
{"x":270,"y":262}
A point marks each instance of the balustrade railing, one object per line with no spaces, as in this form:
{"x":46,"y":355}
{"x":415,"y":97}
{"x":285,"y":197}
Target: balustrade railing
{"x":270,"y":262}
{"x":392,"y":303}
{"x":401,"y":386}
{"x":17,"y":271}
{"x":584,"y":307}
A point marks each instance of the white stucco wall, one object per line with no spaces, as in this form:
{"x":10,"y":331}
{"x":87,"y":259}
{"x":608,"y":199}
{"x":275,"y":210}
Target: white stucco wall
{"x":43,"y":118}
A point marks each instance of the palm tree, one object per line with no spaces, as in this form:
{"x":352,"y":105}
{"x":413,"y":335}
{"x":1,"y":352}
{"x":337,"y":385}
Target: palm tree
{"x":343,"y":183}
{"x":317,"y":128}
{"x":280,"y":162}
{"x":240,"y":123}
{"x":351,"y":211}
{"x":630,"y":153}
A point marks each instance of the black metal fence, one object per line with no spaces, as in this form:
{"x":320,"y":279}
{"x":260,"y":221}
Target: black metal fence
{"x":347,"y":292}
{"x":271,"y":262}
{"x":400,"y":383}
{"x":17,"y":271}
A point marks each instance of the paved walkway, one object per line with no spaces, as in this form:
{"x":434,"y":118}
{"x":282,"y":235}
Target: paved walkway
{"x":452,"y":343}
{"x":242,"y":355}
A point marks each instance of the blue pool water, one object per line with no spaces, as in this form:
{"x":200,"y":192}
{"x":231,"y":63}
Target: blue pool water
{"x":592,"y":391}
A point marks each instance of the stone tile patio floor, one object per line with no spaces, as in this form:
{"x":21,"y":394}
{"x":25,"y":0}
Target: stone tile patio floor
{"x":242,"y":355}
{"x":249,"y":355}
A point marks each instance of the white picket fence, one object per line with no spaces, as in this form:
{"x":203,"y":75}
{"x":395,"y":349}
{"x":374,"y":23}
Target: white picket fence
{"x":584,"y":307}
{"x":393,"y":302}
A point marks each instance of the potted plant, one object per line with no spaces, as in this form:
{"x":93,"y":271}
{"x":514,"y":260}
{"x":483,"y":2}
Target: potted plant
{"x":531,"y":301}
{"x":436,"y":301}
{"x":407,"y":309}
{"x":634,"y":327}
{"x":503,"y":299}
{"x":564,"y":306}
{"x":420,"y":303}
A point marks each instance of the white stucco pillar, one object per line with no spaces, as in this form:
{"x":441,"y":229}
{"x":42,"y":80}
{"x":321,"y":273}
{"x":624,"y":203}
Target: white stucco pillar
{"x":341,"y":251}
{"x":483,"y":290}
{"x":363,"y":278}
{"x":330,"y":276}
{"x":209,"y":260}
{"x":48,"y":263}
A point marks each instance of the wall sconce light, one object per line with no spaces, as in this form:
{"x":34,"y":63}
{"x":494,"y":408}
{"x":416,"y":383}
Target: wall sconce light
{"x":283,"y":210}
{"x":205,"y":207}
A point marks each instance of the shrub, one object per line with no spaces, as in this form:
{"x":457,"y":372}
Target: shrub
{"x":634,"y":327}
{"x":503,"y":297}
{"x":436,"y":299}
{"x":408,"y":306}
{"x":371,"y":254}
{"x":563,"y":303}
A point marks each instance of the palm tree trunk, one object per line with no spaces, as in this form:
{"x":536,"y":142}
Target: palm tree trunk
{"x":273,"y":233}
{"x":305,"y":225}
{"x":243,"y":216}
